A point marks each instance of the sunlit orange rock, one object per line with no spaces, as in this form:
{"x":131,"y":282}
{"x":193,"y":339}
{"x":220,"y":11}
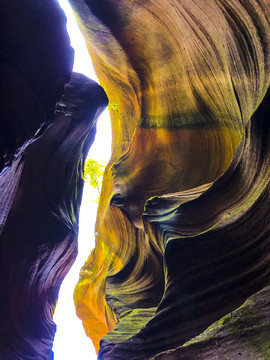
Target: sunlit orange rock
{"x":187,"y":83}
{"x":183,"y":227}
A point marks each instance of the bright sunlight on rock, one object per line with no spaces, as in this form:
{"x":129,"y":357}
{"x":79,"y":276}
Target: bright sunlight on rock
{"x":69,"y":327}
{"x":175,"y":263}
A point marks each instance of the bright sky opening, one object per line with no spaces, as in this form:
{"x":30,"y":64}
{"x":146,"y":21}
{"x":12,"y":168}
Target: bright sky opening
{"x":71,"y":341}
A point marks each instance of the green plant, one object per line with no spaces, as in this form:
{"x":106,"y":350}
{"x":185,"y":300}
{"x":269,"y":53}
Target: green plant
{"x":93,"y":173}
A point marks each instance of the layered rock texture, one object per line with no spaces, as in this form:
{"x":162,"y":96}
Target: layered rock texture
{"x":48,"y":120}
{"x":181,"y":266}
{"x":183,"y":228}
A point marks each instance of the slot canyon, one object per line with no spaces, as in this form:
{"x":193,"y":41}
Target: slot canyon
{"x":181,"y":264}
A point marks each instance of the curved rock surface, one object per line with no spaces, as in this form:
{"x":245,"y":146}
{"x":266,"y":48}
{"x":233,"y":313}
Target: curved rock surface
{"x":183,"y":227}
{"x":42,"y":153}
{"x":182,"y":233}
{"x":35,"y":62}
{"x":39,"y":235}
{"x":242,"y":334}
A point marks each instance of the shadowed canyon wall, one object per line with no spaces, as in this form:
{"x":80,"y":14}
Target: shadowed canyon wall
{"x":183,"y":226}
{"x":47,"y":124}
{"x":182,"y":232}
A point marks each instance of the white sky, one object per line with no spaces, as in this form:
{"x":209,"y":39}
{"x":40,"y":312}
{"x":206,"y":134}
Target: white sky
{"x":70,"y":342}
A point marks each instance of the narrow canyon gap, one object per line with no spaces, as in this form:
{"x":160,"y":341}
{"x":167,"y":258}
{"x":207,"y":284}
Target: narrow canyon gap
{"x":48,"y":117}
{"x":183,"y":226}
{"x":69,"y":328}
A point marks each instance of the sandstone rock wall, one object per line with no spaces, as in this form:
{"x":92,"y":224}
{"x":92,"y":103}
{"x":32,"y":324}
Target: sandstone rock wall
{"x":183,"y":228}
{"x":183,"y":222}
{"x":47,"y":126}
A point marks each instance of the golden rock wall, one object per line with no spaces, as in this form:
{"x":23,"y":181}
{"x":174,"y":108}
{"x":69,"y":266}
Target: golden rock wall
{"x":179,"y":238}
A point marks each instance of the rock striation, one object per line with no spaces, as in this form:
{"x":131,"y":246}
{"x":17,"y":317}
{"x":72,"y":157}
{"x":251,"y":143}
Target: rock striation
{"x":183,"y":228}
{"x":48,"y":118}
{"x":181,"y":266}
{"x":242,"y":334}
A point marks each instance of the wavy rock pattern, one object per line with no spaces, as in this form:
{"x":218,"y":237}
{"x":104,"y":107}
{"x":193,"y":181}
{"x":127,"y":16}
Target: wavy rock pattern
{"x":183,"y":228}
{"x":242,"y":334}
{"x":187,"y":83}
{"x":39,"y":235}
{"x":42,"y":157}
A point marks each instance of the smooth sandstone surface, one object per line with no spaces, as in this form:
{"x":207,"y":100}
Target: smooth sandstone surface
{"x":183,"y":227}
{"x":183,"y":222}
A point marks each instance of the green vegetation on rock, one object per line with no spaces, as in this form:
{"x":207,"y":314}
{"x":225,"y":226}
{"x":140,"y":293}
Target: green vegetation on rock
{"x":93,"y":174}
